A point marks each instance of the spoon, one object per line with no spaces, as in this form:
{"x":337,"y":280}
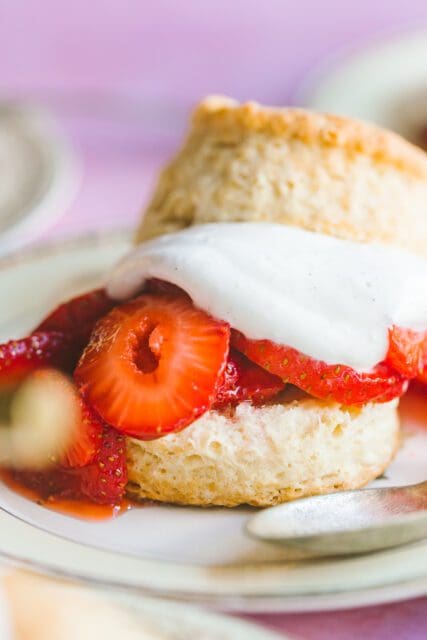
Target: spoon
{"x":345,"y":523}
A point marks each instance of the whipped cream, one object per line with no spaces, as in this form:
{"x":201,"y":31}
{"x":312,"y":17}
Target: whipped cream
{"x":332,"y":299}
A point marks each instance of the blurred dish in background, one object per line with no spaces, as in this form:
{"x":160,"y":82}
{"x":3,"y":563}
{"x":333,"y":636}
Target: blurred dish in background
{"x":38,"y":174}
{"x":385,"y":83}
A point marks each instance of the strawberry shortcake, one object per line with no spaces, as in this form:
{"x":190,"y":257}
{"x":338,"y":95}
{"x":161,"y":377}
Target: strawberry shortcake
{"x":254,"y":346}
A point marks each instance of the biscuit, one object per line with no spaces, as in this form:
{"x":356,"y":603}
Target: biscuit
{"x":316,"y":171}
{"x":266,"y":455}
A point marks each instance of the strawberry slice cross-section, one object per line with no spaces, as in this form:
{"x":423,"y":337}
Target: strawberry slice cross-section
{"x":153,"y":365}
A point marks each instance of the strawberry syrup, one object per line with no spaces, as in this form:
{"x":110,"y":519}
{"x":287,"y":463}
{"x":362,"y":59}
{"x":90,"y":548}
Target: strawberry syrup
{"x":82,"y":509}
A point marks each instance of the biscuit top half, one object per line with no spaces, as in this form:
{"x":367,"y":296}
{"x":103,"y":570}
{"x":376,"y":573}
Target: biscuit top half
{"x":245,"y":162}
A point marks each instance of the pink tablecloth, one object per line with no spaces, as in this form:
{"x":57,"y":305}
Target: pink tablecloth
{"x":120,"y":77}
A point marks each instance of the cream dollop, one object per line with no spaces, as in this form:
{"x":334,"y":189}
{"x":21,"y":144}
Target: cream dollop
{"x":332,"y":299}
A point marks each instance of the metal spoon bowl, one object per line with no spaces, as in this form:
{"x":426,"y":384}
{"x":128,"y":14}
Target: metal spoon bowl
{"x":345,"y":523}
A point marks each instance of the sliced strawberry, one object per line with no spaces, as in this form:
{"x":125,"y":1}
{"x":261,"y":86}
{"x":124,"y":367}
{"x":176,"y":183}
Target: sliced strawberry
{"x":105,"y":479}
{"x":244,"y":380}
{"x":102,"y":481}
{"x":407,"y":351}
{"x":153,"y":365}
{"x":58,"y":341}
{"x":76,"y":319}
{"x":85,"y":444}
{"x":19,"y":358}
{"x":336,"y":382}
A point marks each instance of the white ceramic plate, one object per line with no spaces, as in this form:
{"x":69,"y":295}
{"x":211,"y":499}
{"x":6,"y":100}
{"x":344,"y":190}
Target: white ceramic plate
{"x":384,"y":82}
{"x":186,"y":552}
{"x":38,"y":174}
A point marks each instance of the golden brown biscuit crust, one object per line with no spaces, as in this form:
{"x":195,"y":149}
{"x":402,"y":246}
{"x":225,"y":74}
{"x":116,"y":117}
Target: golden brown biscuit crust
{"x":318,"y":172}
{"x":227,"y":116}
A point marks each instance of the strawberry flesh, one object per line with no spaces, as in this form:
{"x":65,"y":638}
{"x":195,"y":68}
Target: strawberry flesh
{"x":102,"y":481}
{"x":244,"y":380}
{"x":153,"y":365}
{"x":19,"y":358}
{"x":334,"y":382}
{"x":407,"y":351}
{"x":76,"y":318}
{"x":85,"y":444}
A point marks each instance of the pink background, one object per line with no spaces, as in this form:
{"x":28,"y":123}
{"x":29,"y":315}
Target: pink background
{"x":121,"y":76}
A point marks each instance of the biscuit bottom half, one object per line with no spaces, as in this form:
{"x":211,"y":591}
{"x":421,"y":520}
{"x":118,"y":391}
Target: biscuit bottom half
{"x":266,"y":455}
